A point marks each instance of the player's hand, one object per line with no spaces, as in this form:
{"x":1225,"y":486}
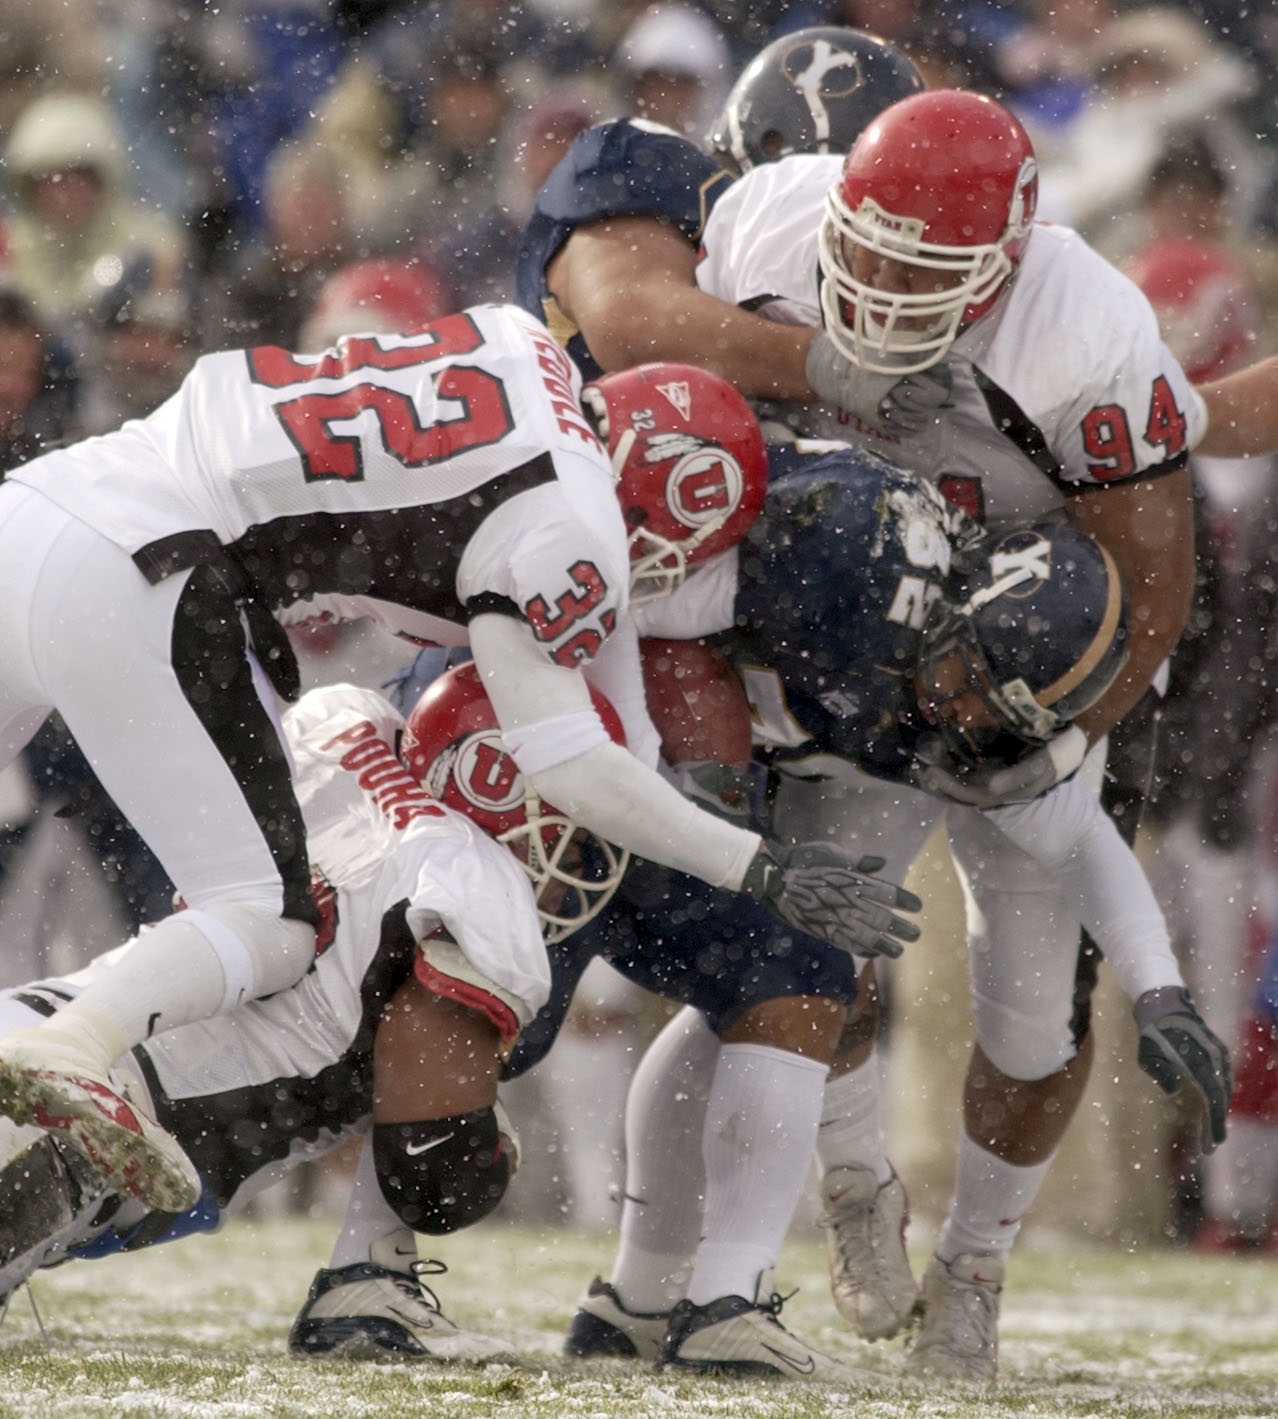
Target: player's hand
{"x":905,"y":404}
{"x":937,"y":771}
{"x":823,"y":890}
{"x":1175,"y":1046}
{"x":721,"y":789}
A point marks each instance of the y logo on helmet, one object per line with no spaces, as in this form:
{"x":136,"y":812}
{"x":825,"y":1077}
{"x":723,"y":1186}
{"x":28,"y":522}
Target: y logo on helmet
{"x":486,"y":775}
{"x":1024,"y":199}
{"x":818,"y":72}
{"x":1026,"y":553}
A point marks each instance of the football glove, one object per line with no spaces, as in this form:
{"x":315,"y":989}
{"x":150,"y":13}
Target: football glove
{"x":1175,"y":1046}
{"x":823,"y":890}
{"x":904,"y":404}
{"x":937,"y":771}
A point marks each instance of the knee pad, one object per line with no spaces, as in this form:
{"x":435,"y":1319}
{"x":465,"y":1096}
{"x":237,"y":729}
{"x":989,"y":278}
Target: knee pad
{"x":1024,"y":1046}
{"x":445,"y":1173}
{"x":260,"y":951}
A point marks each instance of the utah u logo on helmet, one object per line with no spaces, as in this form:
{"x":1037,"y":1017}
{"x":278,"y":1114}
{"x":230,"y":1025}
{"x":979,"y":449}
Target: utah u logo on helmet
{"x":690,"y":467}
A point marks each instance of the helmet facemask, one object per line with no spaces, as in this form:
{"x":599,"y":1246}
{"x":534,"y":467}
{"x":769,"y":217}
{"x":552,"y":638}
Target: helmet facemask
{"x":574,"y":874}
{"x":893,"y":332}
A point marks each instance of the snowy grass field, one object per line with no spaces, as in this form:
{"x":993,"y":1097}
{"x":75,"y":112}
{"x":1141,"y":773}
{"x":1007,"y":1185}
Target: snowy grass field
{"x":197,"y":1331}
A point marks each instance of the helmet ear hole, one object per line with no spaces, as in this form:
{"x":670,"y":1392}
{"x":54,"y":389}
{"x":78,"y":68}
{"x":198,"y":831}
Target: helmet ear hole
{"x":690,"y":465}
{"x":452,"y":745}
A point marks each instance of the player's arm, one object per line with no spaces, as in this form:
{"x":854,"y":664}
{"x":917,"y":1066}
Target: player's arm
{"x":550,"y":728}
{"x":1242,"y":413}
{"x":560,"y":745}
{"x":1147,"y":527}
{"x":628,"y":285}
{"x":1070,"y":834}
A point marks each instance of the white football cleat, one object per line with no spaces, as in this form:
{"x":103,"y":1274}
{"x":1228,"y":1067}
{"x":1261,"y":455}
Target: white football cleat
{"x":958,"y":1336}
{"x":870,"y":1277}
{"x":49,"y":1086}
{"x":368,"y":1311}
{"x":603,"y":1328}
{"x":735,"y":1336}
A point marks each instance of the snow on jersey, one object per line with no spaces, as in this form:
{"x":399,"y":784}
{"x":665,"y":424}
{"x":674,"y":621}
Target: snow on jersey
{"x":408,"y":477}
{"x":1064,"y":384}
{"x":390,"y":865}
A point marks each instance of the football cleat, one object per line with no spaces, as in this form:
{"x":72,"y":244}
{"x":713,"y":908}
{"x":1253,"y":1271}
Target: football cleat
{"x":47,"y":1086}
{"x":603,"y":1328}
{"x":736,"y":1336}
{"x":958,"y":1336}
{"x":870,"y":1277}
{"x":369,"y":1312}
{"x":49,"y":1197}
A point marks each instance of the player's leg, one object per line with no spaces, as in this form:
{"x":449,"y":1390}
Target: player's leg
{"x":1031,"y":989}
{"x":177,"y":721}
{"x":662,"y":1196}
{"x":864,"y":1205}
{"x":777,"y":1000}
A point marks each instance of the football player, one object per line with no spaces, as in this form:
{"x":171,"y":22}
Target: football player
{"x":608,"y":256}
{"x":445,"y":482}
{"x":858,"y":672}
{"x":430,"y":958}
{"x":953,"y":332}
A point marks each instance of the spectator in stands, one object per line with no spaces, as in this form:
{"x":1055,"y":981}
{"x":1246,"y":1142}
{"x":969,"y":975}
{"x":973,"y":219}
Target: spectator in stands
{"x":309,"y":234}
{"x":73,"y":224}
{"x":675,"y":67}
{"x":478,"y":252}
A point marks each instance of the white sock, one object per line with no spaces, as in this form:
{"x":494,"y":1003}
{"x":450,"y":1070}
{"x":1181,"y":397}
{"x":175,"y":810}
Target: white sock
{"x":852,"y":1131}
{"x":761,"y":1125}
{"x":169,"y":975}
{"x":665,"y":1173}
{"x":990,"y":1200}
{"x":370,"y":1220}
{"x":188,"y":967}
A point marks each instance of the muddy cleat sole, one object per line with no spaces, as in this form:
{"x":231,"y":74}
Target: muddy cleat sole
{"x":369,"y":1312}
{"x":958,"y":1336}
{"x":130,"y":1151}
{"x":603,"y":1329}
{"x":736,"y":1336}
{"x":870,"y":1277}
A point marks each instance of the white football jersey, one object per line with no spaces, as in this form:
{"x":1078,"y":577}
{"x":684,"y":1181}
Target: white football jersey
{"x":1064,"y":383}
{"x":287,"y":1075}
{"x":406,"y":477}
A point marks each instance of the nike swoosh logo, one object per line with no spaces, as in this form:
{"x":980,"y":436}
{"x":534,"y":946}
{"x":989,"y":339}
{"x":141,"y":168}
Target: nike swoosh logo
{"x":804,"y":1368}
{"x":413,"y":1149}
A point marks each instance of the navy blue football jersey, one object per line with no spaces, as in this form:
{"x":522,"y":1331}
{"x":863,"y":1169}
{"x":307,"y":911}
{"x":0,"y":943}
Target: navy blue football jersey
{"x":625,"y":168}
{"x":836,"y":580}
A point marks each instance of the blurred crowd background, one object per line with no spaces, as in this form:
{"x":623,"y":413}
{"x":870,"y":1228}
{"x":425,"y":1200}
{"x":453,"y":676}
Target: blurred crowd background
{"x":178,"y":177}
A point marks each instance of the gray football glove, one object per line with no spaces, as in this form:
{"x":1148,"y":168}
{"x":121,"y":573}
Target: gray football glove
{"x":904,"y":404}
{"x":824,"y":891}
{"x":1176,"y":1045}
{"x":937,"y":771}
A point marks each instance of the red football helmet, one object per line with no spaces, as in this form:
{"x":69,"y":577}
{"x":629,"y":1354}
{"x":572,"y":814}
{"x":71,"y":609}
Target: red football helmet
{"x":944,"y":182}
{"x":453,"y":746}
{"x":1204,"y":302}
{"x":689,"y":463}
{"x":380,"y":295}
